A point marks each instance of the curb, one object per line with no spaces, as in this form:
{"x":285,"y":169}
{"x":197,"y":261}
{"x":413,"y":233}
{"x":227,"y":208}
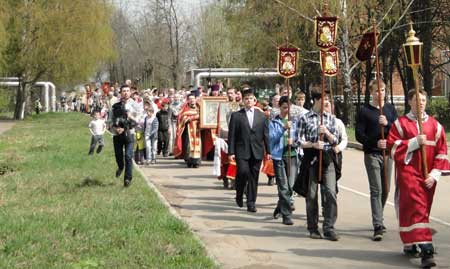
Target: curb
{"x":354,"y":145}
{"x":175,"y":213}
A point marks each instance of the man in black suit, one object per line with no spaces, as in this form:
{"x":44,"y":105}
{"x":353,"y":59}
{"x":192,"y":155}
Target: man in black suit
{"x":248,"y":136}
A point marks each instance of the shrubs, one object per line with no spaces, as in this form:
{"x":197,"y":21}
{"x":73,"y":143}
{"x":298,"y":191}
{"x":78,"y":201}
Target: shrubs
{"x":440,"y":109}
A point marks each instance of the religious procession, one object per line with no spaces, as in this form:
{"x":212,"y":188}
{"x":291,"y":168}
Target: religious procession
{"x":253,"y":128}
{"x":297,"y":148}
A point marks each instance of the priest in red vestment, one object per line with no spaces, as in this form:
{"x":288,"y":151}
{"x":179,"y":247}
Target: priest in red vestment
{"x":414,"y":191}
{"x":188,"y":140}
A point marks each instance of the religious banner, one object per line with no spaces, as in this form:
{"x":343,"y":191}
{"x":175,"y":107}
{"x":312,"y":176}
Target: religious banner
{"x":326,"y":32}
{"x":105,"y":88}
{"x":366,"y":47}
{"x":287,"y":61}
{"x":329,"y":61}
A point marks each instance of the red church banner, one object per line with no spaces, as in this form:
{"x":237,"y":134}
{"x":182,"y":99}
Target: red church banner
{"x":287,"y":61}
{"x":329,"y":61}
{"x":326,"y":32}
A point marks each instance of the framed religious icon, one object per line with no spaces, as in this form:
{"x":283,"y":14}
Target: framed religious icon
{"x":209,"y":107}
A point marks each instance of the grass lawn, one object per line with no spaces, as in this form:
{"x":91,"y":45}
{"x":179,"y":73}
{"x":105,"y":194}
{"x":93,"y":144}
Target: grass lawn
{"x":60,"y":208}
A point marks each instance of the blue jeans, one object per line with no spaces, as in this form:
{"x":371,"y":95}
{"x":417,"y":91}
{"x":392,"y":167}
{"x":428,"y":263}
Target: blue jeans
{"x":285,"y":183}
{"x":121,"y":142}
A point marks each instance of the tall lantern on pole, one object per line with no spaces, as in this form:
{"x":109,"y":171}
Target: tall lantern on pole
{"x":413,"y":53}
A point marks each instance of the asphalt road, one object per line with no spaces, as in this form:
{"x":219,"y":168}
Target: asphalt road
{"x":238,"y":239}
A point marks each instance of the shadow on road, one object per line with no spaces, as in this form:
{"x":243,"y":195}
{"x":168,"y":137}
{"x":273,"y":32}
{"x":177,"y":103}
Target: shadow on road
{"x":381,"y":257}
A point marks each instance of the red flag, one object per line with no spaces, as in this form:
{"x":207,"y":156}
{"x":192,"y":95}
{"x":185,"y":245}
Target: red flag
{"x":366,"y":47}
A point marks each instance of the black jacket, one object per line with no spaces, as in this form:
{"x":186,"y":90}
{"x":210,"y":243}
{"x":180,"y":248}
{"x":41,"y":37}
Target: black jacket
{"x":367,"y":128}
{"x":245,"y":141}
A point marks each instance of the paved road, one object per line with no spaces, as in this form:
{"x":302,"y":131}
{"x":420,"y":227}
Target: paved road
{"x":239,"y":239}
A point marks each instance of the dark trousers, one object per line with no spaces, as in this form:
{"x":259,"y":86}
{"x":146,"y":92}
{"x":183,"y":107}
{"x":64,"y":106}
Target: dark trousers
{"x":163,"y":141}
{"x":328,"y":197}
{"x":247,"y":174}
{"x":96,"y":139}
{"x":124,"y":142}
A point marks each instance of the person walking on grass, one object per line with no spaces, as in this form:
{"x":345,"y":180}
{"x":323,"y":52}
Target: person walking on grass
{"x":124,"y":121}
{"x":97,"y":127}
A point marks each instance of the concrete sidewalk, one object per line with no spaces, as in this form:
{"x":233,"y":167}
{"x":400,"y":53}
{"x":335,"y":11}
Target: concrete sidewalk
{"x":238,"y":239}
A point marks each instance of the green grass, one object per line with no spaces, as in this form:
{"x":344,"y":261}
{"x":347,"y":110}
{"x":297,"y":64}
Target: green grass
{"x":60,"y":208}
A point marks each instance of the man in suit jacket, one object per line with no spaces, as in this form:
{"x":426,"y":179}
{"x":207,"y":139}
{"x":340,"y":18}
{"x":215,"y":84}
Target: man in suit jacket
{"x":248,"y":139}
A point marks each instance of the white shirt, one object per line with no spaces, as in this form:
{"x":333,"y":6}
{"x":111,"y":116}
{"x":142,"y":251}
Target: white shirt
{"x":250,"y":114}
{"x":343,"y":134}
{"x":97,"y":127}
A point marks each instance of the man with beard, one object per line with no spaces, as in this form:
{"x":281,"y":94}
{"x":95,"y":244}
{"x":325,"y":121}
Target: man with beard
{"x":188,"y":140}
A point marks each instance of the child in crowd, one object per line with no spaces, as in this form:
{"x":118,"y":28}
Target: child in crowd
{"x":97,"y":128}
{"x":151,"y":125}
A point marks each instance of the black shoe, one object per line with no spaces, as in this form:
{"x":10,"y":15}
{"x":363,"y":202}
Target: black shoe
{"x":428,"y":261}
{"x":251,"y":209}
{"x":99,"y":149}
{"x":91,"y":152}
{"x":195,"y":166}
{"x":411,"y":251}
{"x":127,"y":182}
{"x":276,"y":213}
{"x":225,"y":182}
{"x":331,"y":235}
{"x":315,"y":235}
{"x":377,"y":233}
{"x":240,"y":202}
{"x":287,"y":221}
{"x":270,"y":181}
{"x":383,"y":228}
{"x":119,"y":172}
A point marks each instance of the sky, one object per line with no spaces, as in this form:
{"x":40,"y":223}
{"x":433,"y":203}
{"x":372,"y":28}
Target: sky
{"x":188,"y":7}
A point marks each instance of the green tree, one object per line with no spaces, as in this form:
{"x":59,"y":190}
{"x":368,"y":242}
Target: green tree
{"x":59,"y":40}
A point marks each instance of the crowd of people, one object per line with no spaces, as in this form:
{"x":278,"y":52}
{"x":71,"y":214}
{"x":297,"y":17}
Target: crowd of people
{"x":299,"y":149}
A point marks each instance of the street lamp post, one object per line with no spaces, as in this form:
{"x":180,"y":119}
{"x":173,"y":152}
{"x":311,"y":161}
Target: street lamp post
{"x":413,"y":53}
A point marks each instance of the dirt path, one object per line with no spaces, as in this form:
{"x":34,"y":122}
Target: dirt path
{"x":5,"y":125}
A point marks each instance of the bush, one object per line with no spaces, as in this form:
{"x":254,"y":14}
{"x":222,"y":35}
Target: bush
{"x":6,"y":100}
{"x":440,"y":109}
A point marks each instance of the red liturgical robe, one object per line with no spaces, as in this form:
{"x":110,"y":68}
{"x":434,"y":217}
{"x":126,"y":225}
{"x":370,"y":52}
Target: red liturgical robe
{"x":413,"y":199}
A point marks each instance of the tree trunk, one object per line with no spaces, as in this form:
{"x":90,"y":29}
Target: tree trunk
{"x":21,"y":100}
{"x":346,"y":74}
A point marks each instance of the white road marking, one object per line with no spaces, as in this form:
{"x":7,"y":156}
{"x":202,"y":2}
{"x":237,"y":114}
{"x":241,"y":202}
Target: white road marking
{"x":391,"y":204}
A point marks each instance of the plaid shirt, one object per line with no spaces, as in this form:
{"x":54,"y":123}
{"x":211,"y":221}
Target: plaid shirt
{"x":308,"y":128}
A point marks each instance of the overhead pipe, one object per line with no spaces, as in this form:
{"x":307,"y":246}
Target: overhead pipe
{"x":234,"y":69}
{"x":46,"y":84}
